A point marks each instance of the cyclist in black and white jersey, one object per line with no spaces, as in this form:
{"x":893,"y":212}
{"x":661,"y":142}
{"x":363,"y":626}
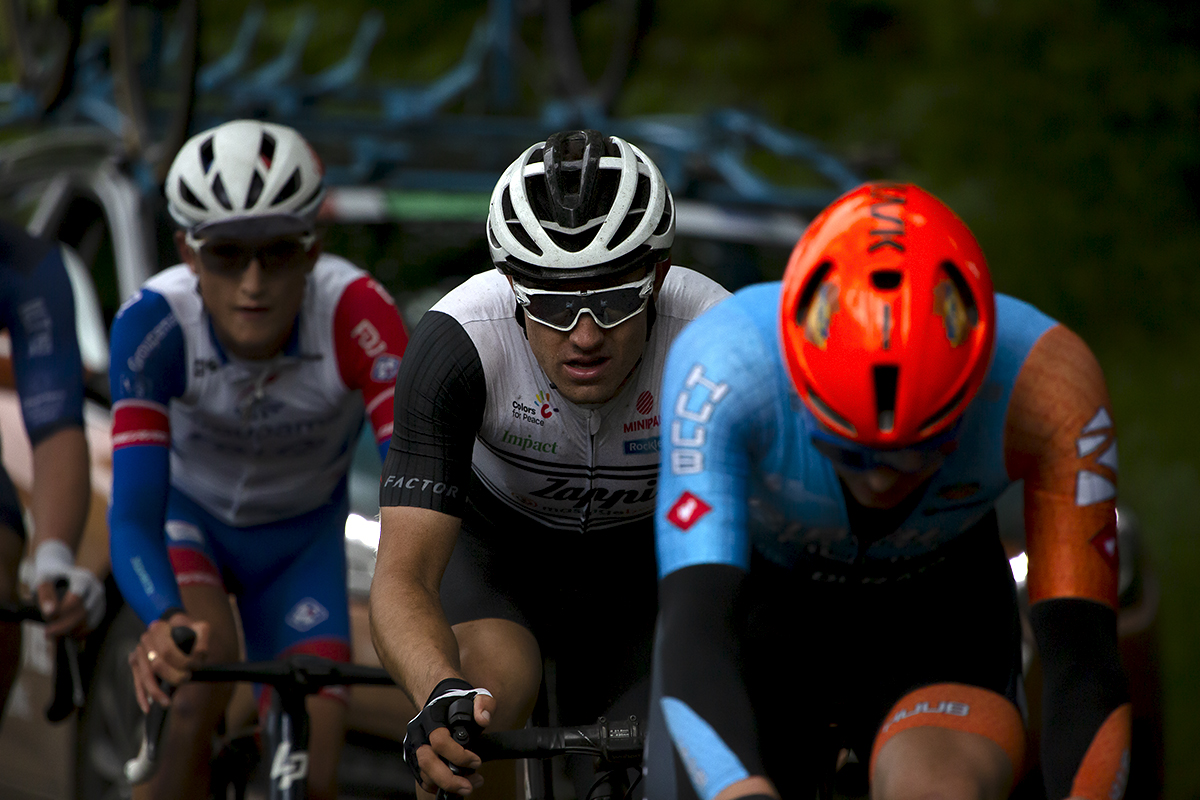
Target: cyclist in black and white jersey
{"x":524,"y":457}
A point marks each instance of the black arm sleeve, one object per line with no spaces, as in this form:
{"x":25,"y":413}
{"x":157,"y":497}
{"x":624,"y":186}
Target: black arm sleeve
{"x":440,"y":396}
{"x":699,"y":653}
{"x":1083,"y":682}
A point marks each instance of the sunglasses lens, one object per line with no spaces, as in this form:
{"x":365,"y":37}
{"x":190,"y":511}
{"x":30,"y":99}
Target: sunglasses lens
{"x":860,"y":459}
{"x":609,"y":307}
{"x":231,"y":258}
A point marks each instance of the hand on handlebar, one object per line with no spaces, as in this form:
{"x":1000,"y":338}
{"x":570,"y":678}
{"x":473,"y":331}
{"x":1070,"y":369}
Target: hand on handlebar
{"x":81,"y":608}
{"x":157,"y":656}
{"x":436,"y":759}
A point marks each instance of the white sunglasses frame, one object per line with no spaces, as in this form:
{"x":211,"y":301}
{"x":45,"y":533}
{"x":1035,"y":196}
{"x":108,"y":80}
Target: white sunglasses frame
{"x":646,"y":285}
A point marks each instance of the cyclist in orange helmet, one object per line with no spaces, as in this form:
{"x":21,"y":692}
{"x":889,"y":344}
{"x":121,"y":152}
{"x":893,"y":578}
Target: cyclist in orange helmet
{"x":833,"y":450}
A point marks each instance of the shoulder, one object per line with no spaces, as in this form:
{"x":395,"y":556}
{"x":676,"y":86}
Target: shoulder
{"x":748,"y":319}
{"x":1058,"y":395}
{"x":485,"y":297}
{"x":686,"y":294}
{"x":735,"y":342}
{"x":148,"y":318}
{"x":332,"y":274}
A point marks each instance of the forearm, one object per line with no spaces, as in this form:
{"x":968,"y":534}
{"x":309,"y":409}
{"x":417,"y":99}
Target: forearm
{"x":140,"y":562}
{"x":411,"y":636}
{"x":698,"y":658}
{"x":408,"y":628}
{"x":1086,"y":724}
{"x":61,"y":488}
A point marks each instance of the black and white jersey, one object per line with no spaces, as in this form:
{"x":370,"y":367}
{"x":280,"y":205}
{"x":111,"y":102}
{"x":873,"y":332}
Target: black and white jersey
{"x":480,"y":431}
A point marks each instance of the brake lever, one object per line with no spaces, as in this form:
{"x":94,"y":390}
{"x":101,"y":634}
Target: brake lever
{"x":68,"y":679}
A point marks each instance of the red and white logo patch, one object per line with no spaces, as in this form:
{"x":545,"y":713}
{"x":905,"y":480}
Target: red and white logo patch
{"x":1105,"y":542}
{"x":687,"y":511}
{"x":645,"y":403}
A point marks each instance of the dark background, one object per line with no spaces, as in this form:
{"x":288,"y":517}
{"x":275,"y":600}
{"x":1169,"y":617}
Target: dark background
{"x":1066,"y":134}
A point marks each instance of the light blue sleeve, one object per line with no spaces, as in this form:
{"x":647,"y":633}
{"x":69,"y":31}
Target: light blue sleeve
{"x":717,"y":419}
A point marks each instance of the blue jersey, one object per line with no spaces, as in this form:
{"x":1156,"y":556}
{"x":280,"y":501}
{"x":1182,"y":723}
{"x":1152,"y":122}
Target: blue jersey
{"x":38,"y":310}
{"x":740,"y":471}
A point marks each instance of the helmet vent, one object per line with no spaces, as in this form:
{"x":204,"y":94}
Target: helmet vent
{"x":810,"y":291}
{"x":522,"y":236}
{"x":886,"y":279}
{"x":837,"y":418}
{"x":255,"y":191}
{"x":964,"y":292}
{"x":312,"y":196}
{"x":572,"y":168}
{"x":266,"y":149}
{"x":664,"y":224}
{"x":290,"y":188}
{"x":206,"y":155}
{"x":219,"y":192}
{"x":189,"y":196}
{"x":633,"y":217}
{"x":944,"y":411}
{"x":886,"y":379}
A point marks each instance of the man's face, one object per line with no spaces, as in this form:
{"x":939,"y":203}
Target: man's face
{"x":589,"y":364}
{"x":883,"y":487}
{"x":252,"y":290}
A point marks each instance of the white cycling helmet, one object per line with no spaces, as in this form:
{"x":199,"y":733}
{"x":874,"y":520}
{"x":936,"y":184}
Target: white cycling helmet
{"x":579,"y":205}
{"x":245,"y":178}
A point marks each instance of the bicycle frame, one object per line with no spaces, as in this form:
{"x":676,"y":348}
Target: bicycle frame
{"x":287,"y":725}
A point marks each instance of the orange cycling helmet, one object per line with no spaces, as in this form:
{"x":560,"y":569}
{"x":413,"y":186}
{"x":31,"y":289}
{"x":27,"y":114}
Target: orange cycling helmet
{"x":888,"y":316}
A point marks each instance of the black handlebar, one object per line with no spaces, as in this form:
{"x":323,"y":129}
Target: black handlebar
{"x":68,"y":680}
{"x":614,"y":742}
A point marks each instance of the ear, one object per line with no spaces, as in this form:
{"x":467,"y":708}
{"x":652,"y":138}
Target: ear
{"x":187,"y":254}
{"x":660,"y":274}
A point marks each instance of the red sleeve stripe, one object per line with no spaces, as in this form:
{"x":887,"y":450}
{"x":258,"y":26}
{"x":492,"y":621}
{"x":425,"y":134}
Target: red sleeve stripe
{"x":140,"y":422}
{"x":383,"y":397}
{"x":383,"y":432}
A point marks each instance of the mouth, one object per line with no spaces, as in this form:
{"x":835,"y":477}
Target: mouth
{"x":586,"y":369}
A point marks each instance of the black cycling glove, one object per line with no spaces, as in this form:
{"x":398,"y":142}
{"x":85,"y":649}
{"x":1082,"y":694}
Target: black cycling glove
{"x":435,"y":715}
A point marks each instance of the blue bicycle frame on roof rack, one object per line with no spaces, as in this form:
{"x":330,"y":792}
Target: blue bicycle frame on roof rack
{"x":398,"y":152}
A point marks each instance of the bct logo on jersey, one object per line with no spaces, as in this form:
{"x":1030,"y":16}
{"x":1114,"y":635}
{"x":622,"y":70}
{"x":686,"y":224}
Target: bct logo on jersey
{"x":306,"y":615}
{"x":687,"y":511}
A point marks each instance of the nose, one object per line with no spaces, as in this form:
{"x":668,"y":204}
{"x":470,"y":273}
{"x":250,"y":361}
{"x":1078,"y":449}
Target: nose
{"x":252,"y":277}
{"x":587,"y":335}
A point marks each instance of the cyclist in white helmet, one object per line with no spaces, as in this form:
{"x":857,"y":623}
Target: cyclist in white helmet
{"x":518,"y":494}
{"x":240,"y":380}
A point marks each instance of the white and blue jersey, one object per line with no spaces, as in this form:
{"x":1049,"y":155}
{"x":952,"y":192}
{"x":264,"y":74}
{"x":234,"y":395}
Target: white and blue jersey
{"x":232,"y":472}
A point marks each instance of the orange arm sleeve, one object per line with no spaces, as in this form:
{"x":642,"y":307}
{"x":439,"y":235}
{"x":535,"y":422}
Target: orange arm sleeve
{"x":1060,"y":438}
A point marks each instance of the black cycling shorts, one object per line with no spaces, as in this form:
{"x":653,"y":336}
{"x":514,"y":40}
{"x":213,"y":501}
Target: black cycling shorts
{"x":589,"y":599}
{"x":842,"y":653}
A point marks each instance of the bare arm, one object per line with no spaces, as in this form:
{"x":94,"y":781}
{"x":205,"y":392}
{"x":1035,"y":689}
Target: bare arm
{"x":61,"y":489}
{"x":59,"y":506}
{"x":408,"y":628}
